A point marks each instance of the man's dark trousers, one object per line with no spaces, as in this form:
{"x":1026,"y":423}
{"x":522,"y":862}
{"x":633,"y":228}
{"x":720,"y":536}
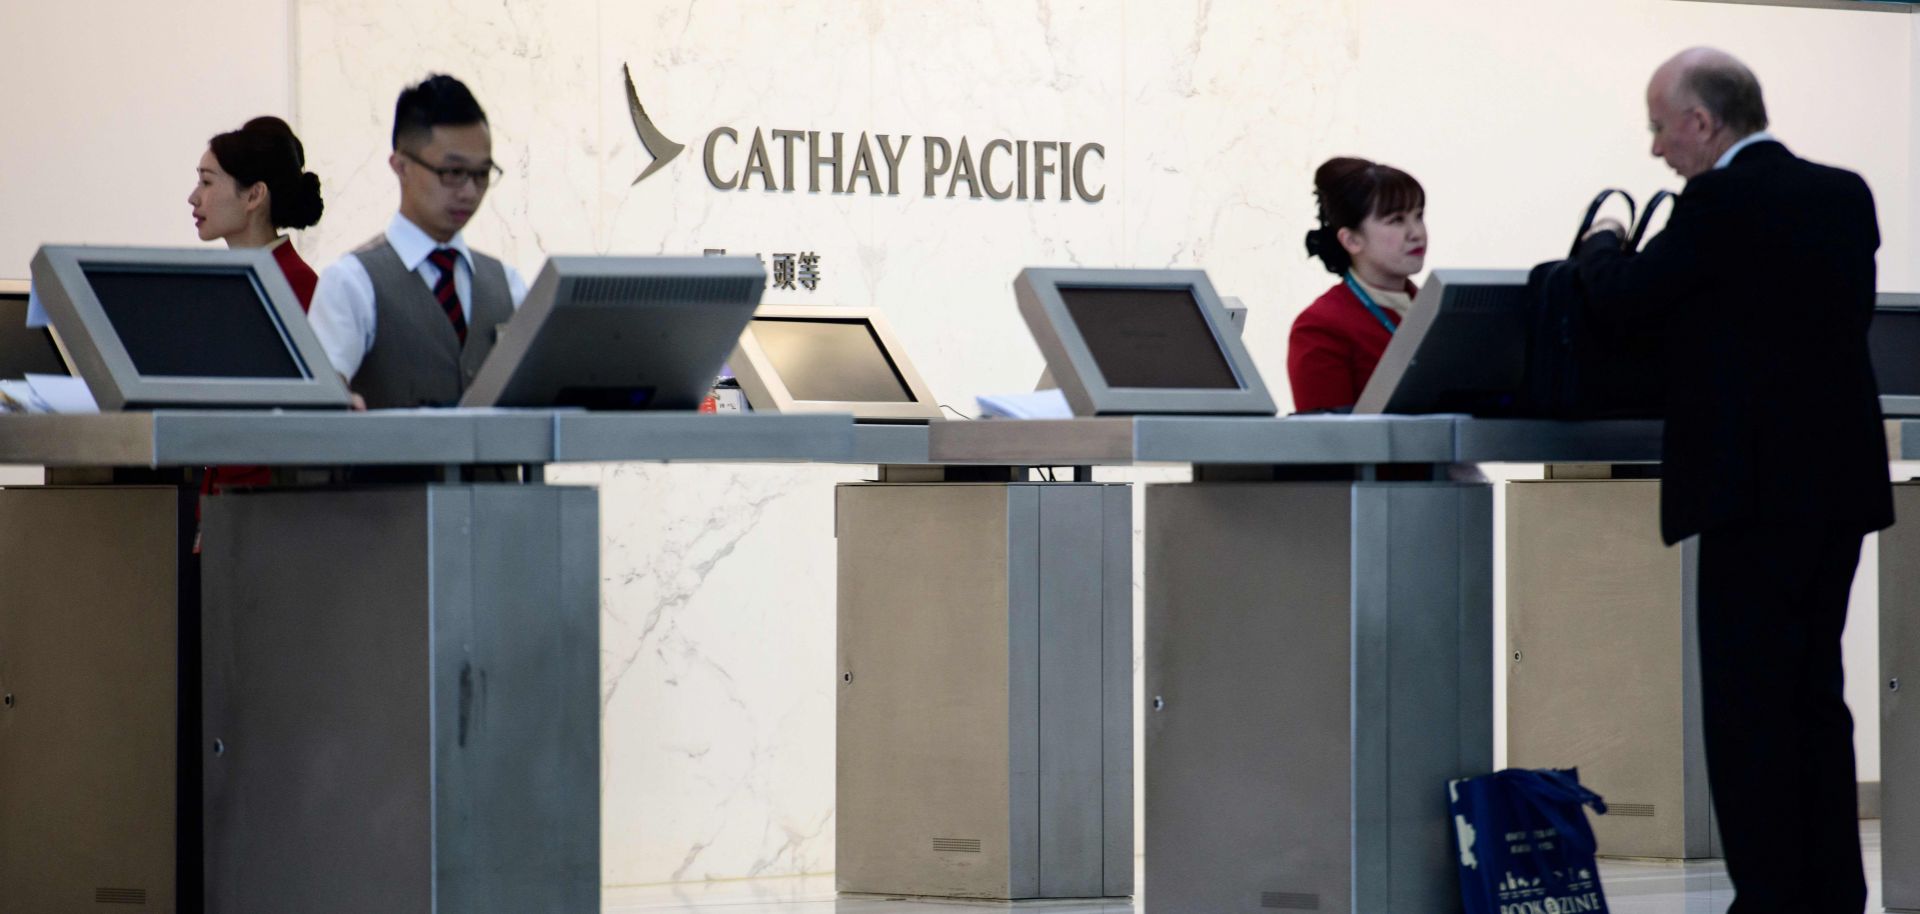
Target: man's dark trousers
{"x":1773,"y":603}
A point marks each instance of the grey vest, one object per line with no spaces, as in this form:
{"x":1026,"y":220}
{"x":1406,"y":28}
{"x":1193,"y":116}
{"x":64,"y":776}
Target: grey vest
{"x":416,"y":359}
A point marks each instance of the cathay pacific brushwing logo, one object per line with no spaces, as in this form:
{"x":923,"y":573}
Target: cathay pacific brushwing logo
{"x":780,"y":158}
{"x":657,"y":145}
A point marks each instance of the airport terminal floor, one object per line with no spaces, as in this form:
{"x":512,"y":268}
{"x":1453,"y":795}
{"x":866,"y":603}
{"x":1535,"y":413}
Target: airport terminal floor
{"x":1633,"y":887}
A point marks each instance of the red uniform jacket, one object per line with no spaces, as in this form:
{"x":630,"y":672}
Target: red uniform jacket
{"x":300,"y":276}
{"x":1333,"y":349}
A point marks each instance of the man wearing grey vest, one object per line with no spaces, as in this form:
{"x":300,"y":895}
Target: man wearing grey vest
{"x":408,"y":317}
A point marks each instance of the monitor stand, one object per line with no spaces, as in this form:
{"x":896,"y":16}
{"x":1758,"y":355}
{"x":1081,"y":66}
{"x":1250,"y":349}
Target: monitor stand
{"x":1899,"y":683}
{"x":1317,"y":667}
{"x":398,"y":708}
{"x":985,"y":714}
{"x":405,"y":681}
{"x":99,"y":720}
{"x":1602,"y":659}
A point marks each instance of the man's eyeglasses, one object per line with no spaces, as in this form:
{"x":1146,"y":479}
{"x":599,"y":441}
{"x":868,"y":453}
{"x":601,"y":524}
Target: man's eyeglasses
{"x":452,"y":177}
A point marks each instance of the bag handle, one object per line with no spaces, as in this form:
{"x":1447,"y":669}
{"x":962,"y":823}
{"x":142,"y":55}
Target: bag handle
{"x":1549,"y":791}
{"x":1593,"y":212}
{"x":1646,"y":217}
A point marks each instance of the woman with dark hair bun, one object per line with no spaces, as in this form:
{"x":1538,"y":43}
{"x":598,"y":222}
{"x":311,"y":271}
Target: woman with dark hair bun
{"x":253,"y":182}
{"x":1373,"y":235}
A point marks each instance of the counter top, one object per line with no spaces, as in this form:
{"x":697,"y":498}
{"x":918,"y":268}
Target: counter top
{"x":207,"y":438}
{"x":1291,"y":440}
{"x":397,"y":437}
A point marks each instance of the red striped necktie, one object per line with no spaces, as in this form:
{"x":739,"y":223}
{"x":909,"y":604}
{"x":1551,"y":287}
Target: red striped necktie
{"x":446,"y":292}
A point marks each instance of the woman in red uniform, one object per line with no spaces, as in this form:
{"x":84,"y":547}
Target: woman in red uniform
{"x":252,"y":184}
{"x":1373,"y":235}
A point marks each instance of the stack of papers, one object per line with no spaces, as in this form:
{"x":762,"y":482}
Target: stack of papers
{"x":47,"y":393}
{"x":1041,"y":404}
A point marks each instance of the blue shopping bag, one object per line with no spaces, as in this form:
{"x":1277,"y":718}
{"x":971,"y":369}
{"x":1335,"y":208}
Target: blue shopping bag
{"x":1525,"y":844}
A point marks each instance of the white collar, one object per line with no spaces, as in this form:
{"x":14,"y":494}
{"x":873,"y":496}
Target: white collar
{"x":1734,"y":150}
{"x":413,"y":244}
{"x":1397,"y":299}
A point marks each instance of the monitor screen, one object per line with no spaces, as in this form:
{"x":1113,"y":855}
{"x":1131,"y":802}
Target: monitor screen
{"x":1462,"y":349}
{"x":194,"y":324}
{"x":1895,"y":342}
{"x":1149,"y":338}
{"x":831,"y":360}
{"x":25,"y":350}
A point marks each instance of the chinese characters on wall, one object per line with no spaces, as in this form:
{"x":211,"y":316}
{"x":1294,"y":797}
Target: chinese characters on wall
{"x":791,"y":270}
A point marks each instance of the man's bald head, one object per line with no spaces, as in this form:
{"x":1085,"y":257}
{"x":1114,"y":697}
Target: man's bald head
{"x":1719,"y":83}
{"x":1699,"y":104}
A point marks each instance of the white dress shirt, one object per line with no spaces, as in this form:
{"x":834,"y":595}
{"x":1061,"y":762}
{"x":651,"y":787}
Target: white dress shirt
{"x":1734,"y":150}
{"x":342,"y":315}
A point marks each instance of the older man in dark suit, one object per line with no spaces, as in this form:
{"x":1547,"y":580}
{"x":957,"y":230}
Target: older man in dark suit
{"x":1762,"y":286}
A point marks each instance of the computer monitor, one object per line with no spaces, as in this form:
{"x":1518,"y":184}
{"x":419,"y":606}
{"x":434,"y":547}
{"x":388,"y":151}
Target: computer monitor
{"x":1462,"y":349}
{"x":1123,"y":342}
{"x":157,"y":327}
{"x":24,"y":350}
{"x":620,"y":333}
{"x":1895,"y":342}
{"x":815,"y":359}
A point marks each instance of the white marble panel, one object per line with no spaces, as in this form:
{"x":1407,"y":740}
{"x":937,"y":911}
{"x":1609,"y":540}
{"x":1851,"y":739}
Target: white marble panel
{"x":1230,"y":108}
{"x":985,"y":71}
{"x":717,"y":645}
{"x":531,"y":65}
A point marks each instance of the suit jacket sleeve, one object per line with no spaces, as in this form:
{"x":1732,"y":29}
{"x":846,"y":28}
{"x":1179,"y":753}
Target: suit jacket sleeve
{"x":1629,"y":287}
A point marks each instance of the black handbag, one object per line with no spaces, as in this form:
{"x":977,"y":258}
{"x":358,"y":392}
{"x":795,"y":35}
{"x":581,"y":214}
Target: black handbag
{"x":1580,"y":364}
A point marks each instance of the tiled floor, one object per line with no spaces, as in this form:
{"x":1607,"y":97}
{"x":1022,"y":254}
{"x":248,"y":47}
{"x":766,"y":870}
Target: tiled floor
{"x":1632,"y":888}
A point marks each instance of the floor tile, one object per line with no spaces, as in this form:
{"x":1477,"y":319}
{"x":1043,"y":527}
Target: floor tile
{"x":1632,"y":887}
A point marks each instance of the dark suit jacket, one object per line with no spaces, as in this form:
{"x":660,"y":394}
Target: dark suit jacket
{"x":1762,"y":284}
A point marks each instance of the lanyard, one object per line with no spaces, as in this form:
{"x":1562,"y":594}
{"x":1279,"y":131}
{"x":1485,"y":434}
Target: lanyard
{"x":1367,"y":300}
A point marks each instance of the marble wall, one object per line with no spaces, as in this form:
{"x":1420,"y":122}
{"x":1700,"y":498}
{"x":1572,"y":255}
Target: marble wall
{"x":718,"y":593}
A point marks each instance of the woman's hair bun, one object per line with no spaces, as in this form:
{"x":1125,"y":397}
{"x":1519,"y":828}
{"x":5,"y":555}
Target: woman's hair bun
{"x":298,"y":205}
{"x":1324,"y":243}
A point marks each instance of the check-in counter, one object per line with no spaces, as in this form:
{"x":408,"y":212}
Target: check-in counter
{"x":1319,"y":645}
{"x":985,"y":712}
{"x":984,"y":735}
{"x":1602,"y":651}
{"x":371,"y":697}
{"x":1602,"y":658}
{"x":1318,"y":628}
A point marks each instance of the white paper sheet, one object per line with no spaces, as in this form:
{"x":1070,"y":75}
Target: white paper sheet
{"x":63,"y":394}
{"x":1041,"y":404}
